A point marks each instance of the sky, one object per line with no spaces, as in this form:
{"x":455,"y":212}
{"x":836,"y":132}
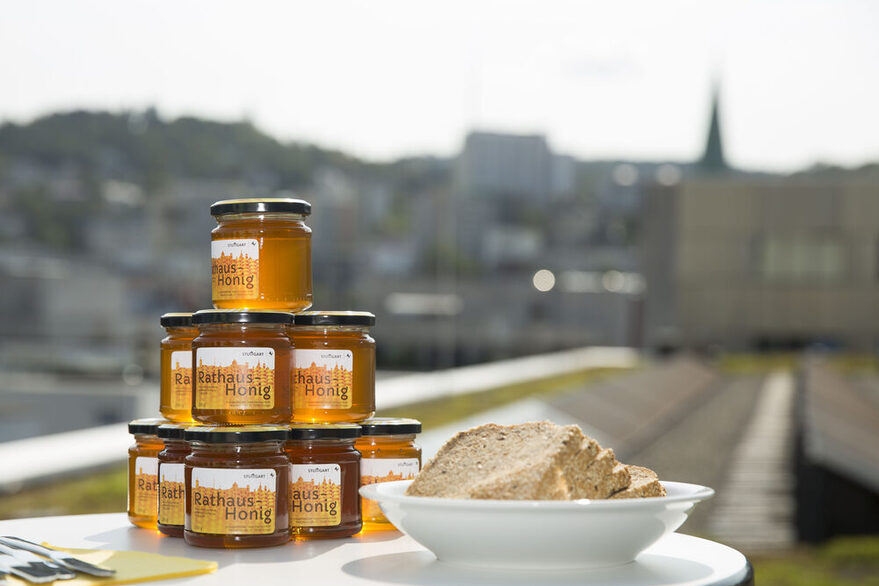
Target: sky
{"x":799,"y":80}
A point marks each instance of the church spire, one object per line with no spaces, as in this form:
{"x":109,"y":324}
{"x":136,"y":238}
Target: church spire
{"x":712,"y":159}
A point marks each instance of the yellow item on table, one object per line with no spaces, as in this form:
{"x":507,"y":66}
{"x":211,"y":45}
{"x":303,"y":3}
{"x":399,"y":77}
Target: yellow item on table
{"x":130,"y":566}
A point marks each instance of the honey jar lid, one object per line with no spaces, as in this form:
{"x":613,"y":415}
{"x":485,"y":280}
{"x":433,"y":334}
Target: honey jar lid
{"x":319,"y":431}
{"x":172,"y":430}
{"x":284,"y":205}
{"x":241,"y":316}
{"x":146,"y":426}
{"x":170,"y":320}
{"x":235,"y":434}
{"x":390,"y":426}
{"x":334,"y":318}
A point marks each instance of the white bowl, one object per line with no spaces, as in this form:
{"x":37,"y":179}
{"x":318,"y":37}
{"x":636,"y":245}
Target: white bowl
{"x":560,"y":535}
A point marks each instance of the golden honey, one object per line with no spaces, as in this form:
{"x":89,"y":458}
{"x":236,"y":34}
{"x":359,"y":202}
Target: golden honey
{"x":143,"y":464}
{"x":324,"y":479}
{"x":236,"y":487}
{"x":172,"y":483}
{"x":261,"y":254}
{"x":333,"y":366}
{"x":175,"y":397}
{"x":241,"y":362}
{"x":389,"y":453}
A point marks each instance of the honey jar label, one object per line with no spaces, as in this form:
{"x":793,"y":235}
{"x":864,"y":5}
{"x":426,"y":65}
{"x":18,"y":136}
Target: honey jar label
{"x":181,"y":380}
{"x":171,"y":494}
{"x":235,"y":378}
{"x":235,"y":268}
{"x":233,"y":502}
{"x":375,"y":470}
{"x":315,"y":495}
{"x":322,"y":379}
{"x":146,"y":486}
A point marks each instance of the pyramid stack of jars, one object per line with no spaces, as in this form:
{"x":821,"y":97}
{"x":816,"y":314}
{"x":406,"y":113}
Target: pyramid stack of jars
{"x":267,"y":427}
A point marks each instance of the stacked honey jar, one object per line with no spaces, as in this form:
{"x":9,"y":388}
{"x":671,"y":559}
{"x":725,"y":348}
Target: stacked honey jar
{"x":267,"y":428}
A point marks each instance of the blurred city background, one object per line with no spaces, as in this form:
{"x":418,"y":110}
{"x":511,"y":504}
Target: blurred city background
{"x":682,"y":199}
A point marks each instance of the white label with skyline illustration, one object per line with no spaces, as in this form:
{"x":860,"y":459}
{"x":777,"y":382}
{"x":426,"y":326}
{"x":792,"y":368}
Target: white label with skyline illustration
{"x":235,"y":269}
{"x":233,"y":502}
{"x":235,"y":378}
{"x":322,"y":379}
{"x":315,"y":495}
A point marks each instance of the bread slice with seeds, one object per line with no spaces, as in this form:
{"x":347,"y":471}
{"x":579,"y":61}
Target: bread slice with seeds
{"x":518,"y":462}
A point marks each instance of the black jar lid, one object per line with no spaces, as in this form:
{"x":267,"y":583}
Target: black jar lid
{"x":146,"y":426}
{"x":235,"y":434}
{"x":390,"y":426}
{"x":284,"y":205}
{"x":172,"y":431}
{"x":334,"y":318}
{"x":320,"y":431}
{"x":240,"y":316}
{"x":176,"y":320}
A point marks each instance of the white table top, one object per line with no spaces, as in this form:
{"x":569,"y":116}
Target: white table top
{"x":379,"y":558}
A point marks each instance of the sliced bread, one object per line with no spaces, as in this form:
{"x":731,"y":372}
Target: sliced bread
{"x":520,"y":462}
{"x":530,"y":461}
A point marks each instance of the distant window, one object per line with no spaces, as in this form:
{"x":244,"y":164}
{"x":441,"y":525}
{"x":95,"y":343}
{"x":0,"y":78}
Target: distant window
{"x":803,"y":257}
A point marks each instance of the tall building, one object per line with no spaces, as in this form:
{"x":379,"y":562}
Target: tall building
{"x":504,"y":166}
{"x":512,"y":166}
{"x":505,"y":186}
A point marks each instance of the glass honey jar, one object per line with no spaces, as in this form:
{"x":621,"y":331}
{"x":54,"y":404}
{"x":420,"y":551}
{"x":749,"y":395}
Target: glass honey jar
{"x":172,"y":483}
{"x":333,"y":366}
{"x":241,"y":363}
{"x":175,"y":397}
{"x":261,"y":254}
{"x":324,"y":479}
{"x":143,"y":479}
{"x":236,"y":486}
{"x":389,"y":453}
